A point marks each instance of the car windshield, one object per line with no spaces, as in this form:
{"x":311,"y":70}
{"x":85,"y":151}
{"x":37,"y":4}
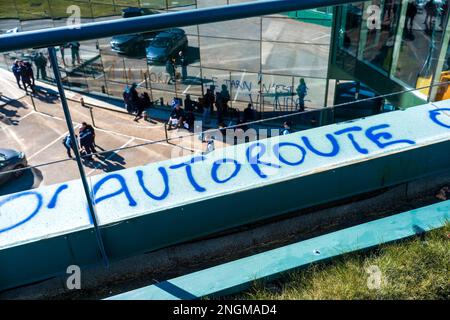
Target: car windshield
{"x":2,"y":157}
{"x":161,"y":43}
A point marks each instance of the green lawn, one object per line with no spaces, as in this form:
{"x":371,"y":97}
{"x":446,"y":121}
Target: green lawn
{"x":417,"y":268}
{"x":39,"y":9}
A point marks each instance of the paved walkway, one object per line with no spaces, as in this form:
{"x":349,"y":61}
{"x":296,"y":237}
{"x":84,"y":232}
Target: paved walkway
{"x":38,"y":131}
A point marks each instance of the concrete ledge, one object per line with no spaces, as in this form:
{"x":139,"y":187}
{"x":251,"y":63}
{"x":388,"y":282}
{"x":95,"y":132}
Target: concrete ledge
{"x":138,"y":271}
{"x":151,"y":207}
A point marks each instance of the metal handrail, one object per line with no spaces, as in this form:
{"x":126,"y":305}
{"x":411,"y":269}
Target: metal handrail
{"x":102,"y":29}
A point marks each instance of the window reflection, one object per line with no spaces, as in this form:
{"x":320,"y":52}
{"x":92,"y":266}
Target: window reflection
{"x":421,"y":42}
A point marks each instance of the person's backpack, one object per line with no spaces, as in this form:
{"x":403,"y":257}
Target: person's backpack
{"x":66,"y":141}
{"x":126,"y":95}
{"x":127,"y":99}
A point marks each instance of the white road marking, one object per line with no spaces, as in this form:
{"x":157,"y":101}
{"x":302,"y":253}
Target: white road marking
{"x":321,"y":37}
{"x":51,"y":143}
{"x":189,"y":86}
{"x":3,"y":126}
{"x":275,"y":29}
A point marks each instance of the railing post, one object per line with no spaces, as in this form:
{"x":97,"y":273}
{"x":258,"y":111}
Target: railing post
{"x":62,"y":96}
{"x":165,"y":131}
{"x":32,"y":102}
{"x":92,"y":116}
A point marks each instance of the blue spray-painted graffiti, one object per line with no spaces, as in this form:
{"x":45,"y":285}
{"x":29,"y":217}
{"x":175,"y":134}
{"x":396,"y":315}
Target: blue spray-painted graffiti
{"x":189,"y":174}
{"x":434,"y":117}
{"x":277,"y":148}
{"x":54,"y":200}
{"x":215,"y":168}
{"x":27,"y":217}
{"x":352,"y":138}
{"x":376,"y":136}
{"x":165,"y":176}
{"x":254,"y":160}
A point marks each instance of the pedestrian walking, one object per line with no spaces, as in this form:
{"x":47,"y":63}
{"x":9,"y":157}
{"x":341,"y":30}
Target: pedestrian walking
{"x":87,"y":138}
{"x":61,"y":49}
{"x":411,"y":12}
{"x":41,"y":64}
{"x":75,"y":51}
{"x":184,"y":64}
{"x":17,"y":72}
{"x":208,"y":100}
{"x":225,"y":96}
{"x":431,"y":11}
{"x":302,"y":91}
{"x":170,"y":69}
{"x":69,"y":145}
{"x":27,"y":76}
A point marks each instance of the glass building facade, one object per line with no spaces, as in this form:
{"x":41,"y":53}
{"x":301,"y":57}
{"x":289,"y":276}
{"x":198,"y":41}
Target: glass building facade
{"x":260,"y":60}
{"x":405,"y":48}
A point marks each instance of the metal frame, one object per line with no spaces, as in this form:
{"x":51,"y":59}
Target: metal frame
{"x":51,"y":37}
{"x":62,"y":96}
{"x":88,"y":31}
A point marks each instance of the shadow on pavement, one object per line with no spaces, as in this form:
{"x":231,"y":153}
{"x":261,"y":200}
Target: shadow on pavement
{"x":7,"y":113}
{"x":45,"y":94}
{"x":30,"y":179}
{"x":107,"y":162}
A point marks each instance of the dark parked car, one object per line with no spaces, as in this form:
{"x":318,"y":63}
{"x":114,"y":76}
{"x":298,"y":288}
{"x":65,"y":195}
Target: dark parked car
{"x":10,"y":160}
{"x":132,"y":44}
{"x":166,"y":45}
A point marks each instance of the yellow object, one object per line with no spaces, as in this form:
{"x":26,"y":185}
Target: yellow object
{"x":424,"y":82}
{"x":443,"y":91}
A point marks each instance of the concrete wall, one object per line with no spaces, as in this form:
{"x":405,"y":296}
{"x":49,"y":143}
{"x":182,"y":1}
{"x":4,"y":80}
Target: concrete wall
{"x":161,"y":204}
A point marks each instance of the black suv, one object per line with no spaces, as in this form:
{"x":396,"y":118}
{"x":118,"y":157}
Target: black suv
{"x":133,"y":44}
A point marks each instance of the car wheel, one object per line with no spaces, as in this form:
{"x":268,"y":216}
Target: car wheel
{"x":18,"y":174}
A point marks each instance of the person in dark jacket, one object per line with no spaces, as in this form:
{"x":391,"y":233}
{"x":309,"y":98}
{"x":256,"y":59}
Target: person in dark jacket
{"x":69,"y":144}
{"x":133,"y":98}
{"x":170,"y":69}
{"x":184,"y":64}
{"x":75,"y":51}
{"x":248,"y":113}
{"x":209,"y":100}
{"x":87,"y":140}
{"x":411,"y":12}
{"x":16,"y":71}
{"x":190,"y":120}
{"x":27,"y":75}
{"x":41,"y":64}
{"x":431,"y":12}
{"x":144,"y":103}
{"x":189,"y":105}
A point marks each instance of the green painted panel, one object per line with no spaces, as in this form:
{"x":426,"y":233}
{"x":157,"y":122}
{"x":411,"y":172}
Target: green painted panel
{"x":237,"y":275}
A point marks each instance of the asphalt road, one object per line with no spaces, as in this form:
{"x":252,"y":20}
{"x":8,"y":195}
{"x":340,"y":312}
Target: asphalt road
{"x":39,"y":133}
